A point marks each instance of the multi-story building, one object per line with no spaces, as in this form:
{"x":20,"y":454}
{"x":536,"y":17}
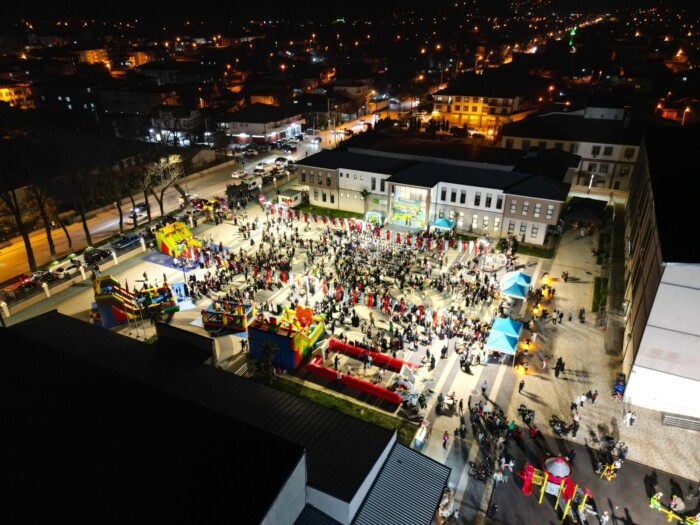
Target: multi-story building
{"x":607,"y":139}
{"x":260,"y":123}
{"x":16,"y":94}
{"x":661,"y":309}
{"x":414,"y":192}
{"x":136,"y":99}
{"x":484,"y":106}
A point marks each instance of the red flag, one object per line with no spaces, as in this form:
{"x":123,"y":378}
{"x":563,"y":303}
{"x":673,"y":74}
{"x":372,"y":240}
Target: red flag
{"x":324,"y":219}
{"x":289,"y":213}
{"x":333,"y":221}
{"x":388,"y":235}
{"x":419,"y":242}
{"x":398,"y":238}
{"x":273,"y":211}
{"x":341,"y":222}
{"x":315,"y":218}
{"x":306,"y":217}
{"x":297,"y":213}
{"x":430,"y":243}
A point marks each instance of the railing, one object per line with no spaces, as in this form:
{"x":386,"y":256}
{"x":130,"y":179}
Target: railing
{"x":676,"y":420}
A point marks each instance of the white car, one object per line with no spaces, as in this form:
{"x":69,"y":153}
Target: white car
{"x":137,"y":218}
{"x":67,"y":271}
{"x":240,"y":174}
{"x":262,"y":166}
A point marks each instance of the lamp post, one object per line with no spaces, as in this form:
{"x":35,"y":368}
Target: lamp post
{"x":685,"y":112}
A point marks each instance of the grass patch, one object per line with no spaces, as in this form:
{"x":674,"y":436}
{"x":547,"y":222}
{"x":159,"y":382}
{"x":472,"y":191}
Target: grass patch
{"x":405,"y":429}
{"x":339,"y":214}
{"x":535,"y":251}
{"x":600,"y":293}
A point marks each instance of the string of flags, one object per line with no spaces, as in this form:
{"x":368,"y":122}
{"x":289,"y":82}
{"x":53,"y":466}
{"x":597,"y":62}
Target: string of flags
{"x":405,"y":239}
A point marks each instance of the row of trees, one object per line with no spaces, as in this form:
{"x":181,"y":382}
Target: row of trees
{"x":44,"y":172}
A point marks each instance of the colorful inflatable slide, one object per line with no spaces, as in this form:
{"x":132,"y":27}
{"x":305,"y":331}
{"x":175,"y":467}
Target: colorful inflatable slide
{"x":115,"y":304}
{"x":176,"y":240}
{"x":228,"y":316}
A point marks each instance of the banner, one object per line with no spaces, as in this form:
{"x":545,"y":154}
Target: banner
{"x":398,"y":238}
{"x":297,"y":214}
{"x":324,"y":219}
{"x":459,"y":246}
{"x":430,"y":243}
{"x":315,"y":217}
{"x":341,"y":222}
{"x":333,"y":221}
{"x":306,"y":216}
{"x":471,"y":247}
{"x":388,"y":235}
{"x":289,"y":213}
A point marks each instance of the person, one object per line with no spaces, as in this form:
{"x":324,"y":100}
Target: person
{"x":594,"y":396}
{"x":604,"y":518}
{"x":445,"y":439}
{"x":494,"y":508}
{"x":571,"y":456}
{"x":633,"y":418}
{"x":534,"y":432}
{"x":484,"y":386}
{"x":521,"y":386}
{"x":628,"y":416}
{"x":461,"y":407}
{"x":655,"y":501}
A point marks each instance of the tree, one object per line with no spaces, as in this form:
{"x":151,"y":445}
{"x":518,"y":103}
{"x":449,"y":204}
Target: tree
{"x":221,"y":143}
{"x":365,"y":198}
{"x":162,"y":174}
{"x":267,"y":365}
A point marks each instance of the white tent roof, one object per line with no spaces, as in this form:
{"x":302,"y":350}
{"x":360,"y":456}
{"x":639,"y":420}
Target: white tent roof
{"x":671,"y":340}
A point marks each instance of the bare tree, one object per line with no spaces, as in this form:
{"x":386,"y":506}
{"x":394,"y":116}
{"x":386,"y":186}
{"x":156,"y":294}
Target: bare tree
{"x":162,"y":174}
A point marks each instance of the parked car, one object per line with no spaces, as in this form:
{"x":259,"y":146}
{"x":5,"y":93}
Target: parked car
{"x":240,"y":174}
{"x":290,"y":149}
{"x":140,"y":207}
{"x":126,"y":240}
{"x":250,"y":153}
{"x":316,"y":140}
{"x":348,"y":132}
{"x":264,"y":147}
{"x":137,"y":218}
{"x":96,"y":255}
{"x":67,"y":271}
{"x":281,"y":161}
{"x":299,"y":136}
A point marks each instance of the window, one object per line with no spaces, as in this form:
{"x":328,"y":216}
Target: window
{"x":485,"y":223}
{"x":328,"y":179}
{"x":303,"y":176}
{"x":608,"y":151}
{"x":538,"y":207}
{"x":629,"y":153}
{"x":362,"y":177}
{"x":624,"y":170}
{"x":542,"y":144}
{"x":453,"y":196}
{"x":533,"y":230}
{"x":441,"y":214}
{"x":320,"y":178}
{"x":509,"y":143}
{"x":477,"y":198}
{"x":443,"y":194}
{"x":523,"y":228}
{"x":550,"y":211}
{"x":332,"y":198}
{"x":355,"y":176}
{"x":511,"y":227}
{"x":488,"y":200}
{"x":526,"y":144}
{"x":373,"y":184}
{"x":559,"y":145}
{"x":452,"y":215}
{"x":466,"y":99}
{"x":475,"y":222}
{"x":604,"y":168}
{"x":592,"y":167}
{"x":458,"y":99}
{"x":496,"y":224}
{"x":315,"y":194}
{"x":463,"y":196}
{"x":474,"y":109}
{"x":513,"y":205}
{"x":323,"y":196}
{"x":573,"y":148}
{"x":382,"y":184}
{"x":499,"y":202}
{"x":595,"y":150}
{"x":456,"y":108}
{"x":526,"y":207}
{"x":492,"y":111}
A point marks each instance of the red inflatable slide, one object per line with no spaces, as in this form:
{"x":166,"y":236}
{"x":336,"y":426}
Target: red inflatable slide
{"x":378,"y":359}
{"x":316,"y":366}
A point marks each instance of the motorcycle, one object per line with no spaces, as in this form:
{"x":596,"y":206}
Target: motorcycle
{"x":527,"y":415}
{"x":559,"y":427}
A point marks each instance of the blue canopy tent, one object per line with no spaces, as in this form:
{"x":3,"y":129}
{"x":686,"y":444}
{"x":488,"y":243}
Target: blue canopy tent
{"x":502,"y":342}
{"x":515,"y":284}
{"x":444,"y":224}
{"x":507,"y":326}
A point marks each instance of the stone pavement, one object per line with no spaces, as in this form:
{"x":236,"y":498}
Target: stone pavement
{"x":580,"y":345}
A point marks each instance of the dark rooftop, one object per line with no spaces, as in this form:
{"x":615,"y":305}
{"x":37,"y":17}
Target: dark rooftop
{"x":672,"y":154}
{"x":97,"y":445}
{"x":261,"y":113}
{"x":428,"y":175}
{"x":332,"y":159}
{"x":334,"y":442}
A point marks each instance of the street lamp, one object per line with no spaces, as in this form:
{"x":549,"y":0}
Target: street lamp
{"x":685,"y":112}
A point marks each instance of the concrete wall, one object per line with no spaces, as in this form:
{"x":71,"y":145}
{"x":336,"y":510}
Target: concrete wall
{"x":663,"y":392}
{"x":291,"y":499}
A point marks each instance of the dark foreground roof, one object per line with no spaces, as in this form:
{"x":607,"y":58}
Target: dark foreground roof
{"x":672,"y":154}
{"x":88,"y":444}
{"x":334,"y":442}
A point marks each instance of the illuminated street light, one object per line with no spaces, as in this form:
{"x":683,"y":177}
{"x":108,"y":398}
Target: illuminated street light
{"x":685,"y":112}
